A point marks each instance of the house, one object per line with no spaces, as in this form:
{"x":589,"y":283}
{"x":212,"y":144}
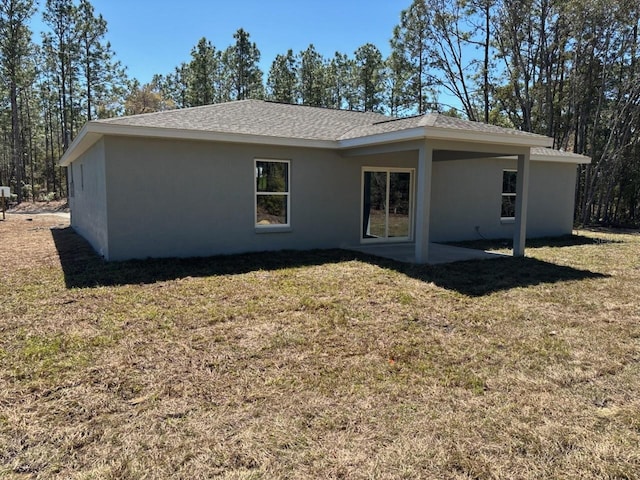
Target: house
{"x":254,"y":175}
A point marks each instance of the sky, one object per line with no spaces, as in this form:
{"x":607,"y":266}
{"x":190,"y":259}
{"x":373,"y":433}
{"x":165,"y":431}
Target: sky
{"x":155,"y":36}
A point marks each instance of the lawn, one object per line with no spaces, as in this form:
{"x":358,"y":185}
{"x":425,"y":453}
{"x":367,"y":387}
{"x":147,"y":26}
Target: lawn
{"x":325,"y":364}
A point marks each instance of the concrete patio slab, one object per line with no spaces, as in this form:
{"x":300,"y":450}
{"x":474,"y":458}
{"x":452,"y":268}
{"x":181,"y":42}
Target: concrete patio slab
{"x":438,"y":253}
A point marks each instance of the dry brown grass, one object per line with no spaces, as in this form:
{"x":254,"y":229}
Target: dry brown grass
{"x":317,"y":365}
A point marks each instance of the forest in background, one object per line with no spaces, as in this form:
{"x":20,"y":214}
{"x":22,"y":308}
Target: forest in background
{"x":567,"y":69}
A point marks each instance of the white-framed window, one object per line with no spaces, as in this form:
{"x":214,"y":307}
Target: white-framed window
{"x":272,"y":196}
{"x":508,"y":208}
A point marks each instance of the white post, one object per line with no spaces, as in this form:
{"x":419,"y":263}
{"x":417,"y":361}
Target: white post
{"x":423,"y":203}
{"x":522,"y":201}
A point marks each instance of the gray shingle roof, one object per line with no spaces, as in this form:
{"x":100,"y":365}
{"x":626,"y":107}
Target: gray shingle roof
{"x":434,"y":120}
{"x":257,"y":117}
{"x":258,"y":121}
{"x":559,"y":155}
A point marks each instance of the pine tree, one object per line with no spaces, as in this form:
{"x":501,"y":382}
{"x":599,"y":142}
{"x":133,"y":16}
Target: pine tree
{"x":103,"y":79}
{"x":61,"y":45}
{"x":312,"y":78}
{"x":341,"y":79}
{"x":281,"y":83}
{"x":203,"y":74}
{"x":411,"y":43}
{"x":241,"y":68}
{"x":370,"y":69}
{"x":15,"y":46}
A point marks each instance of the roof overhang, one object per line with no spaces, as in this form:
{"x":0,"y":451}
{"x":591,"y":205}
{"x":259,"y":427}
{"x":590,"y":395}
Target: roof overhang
{"x":558,"y":156}
{"x":92,"y":132}
{"x":452,"y":134}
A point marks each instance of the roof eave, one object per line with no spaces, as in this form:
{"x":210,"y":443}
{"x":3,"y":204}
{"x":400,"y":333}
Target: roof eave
{"x":574,"y":158}
{"x":438,"y":133}
{"x":382,"y":138}
{"x":83,"y":142}
{"x":93,"y":131}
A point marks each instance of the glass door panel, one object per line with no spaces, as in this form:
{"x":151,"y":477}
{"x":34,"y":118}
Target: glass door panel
{"x":386,"y":205}
{"x":375,"y":198}
{"x":399,"y":219}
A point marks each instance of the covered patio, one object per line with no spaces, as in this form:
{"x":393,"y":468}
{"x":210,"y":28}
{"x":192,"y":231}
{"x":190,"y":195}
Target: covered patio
{"x":453,"y":141}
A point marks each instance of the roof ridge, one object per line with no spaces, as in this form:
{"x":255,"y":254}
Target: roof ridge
{"x":323,"y":107}
{"x":395,"y":119}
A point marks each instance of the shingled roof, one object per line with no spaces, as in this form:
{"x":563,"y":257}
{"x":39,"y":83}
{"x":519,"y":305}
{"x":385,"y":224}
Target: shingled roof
{"x":258,"y":117}
{"x":263,"y":122}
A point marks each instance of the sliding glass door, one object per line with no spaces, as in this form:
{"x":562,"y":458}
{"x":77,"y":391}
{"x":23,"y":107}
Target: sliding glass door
{"x":387,"y":204}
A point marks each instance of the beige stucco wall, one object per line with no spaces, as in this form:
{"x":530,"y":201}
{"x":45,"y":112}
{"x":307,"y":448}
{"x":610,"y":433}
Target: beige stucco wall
{"x":467,"y":193}
{"x":89,"y":201}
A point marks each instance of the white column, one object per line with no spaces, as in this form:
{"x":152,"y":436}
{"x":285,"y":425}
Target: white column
{"x":423,"y":203}
{"x":522,"y":200}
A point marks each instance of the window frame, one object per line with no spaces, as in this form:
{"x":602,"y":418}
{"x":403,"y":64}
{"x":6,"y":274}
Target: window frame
{"x":513,"y":195}
{"x":286,"y":194}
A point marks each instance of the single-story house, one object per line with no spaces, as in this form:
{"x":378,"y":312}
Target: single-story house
{"x":254,"y":175}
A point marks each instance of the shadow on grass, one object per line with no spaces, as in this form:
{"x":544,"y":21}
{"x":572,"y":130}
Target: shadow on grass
{"x":83,"y":268}
{"x":563,"y":241}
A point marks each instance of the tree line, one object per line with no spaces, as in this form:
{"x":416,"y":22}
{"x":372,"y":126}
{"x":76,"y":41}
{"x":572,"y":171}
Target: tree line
{"x":567,"y":69}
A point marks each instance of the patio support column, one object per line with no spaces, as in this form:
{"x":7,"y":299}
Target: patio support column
{"x":423,"y":203}
{"x":522,"y":200}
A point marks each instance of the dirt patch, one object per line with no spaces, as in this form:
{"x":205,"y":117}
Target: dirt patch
{"x":57,"y":206}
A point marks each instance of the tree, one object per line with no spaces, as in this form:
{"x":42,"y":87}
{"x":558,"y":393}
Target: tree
{"x":370,"y":68}
{"x":341,"y":82}
{"x":281,"y":83}
{"x":61,"y":46}
{"x":241,"y":68}
{"x":15,"y":46}
{"x":146,"y":98}
{"x":203,"y":74}
{"x":102,"y":77}
{"x":312,"y":78}
{"x":410,"y":43}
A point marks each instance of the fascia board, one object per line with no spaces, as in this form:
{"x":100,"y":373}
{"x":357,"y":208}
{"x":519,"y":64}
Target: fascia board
{"x":575,"y":158}
{"x":389,"y":137}
{"x":436,"y":133}
{"x":83,"y":141}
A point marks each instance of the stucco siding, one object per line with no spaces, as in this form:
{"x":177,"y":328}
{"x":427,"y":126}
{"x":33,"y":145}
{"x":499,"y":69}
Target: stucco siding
{"x":467,"y":194}
{"x":88,"y":204}
{"x":183,"y":198}
{"x":179,"y":198}
{"x":551,"y":199}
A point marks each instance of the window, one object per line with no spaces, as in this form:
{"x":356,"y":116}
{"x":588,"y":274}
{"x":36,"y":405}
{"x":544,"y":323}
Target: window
{"x":81,"y":177}
{"x":71,"y":185}
{"x":272,"y":193}
{"x":509,"y":178}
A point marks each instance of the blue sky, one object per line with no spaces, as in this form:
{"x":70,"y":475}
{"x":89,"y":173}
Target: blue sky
{"x":154,"y":36}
